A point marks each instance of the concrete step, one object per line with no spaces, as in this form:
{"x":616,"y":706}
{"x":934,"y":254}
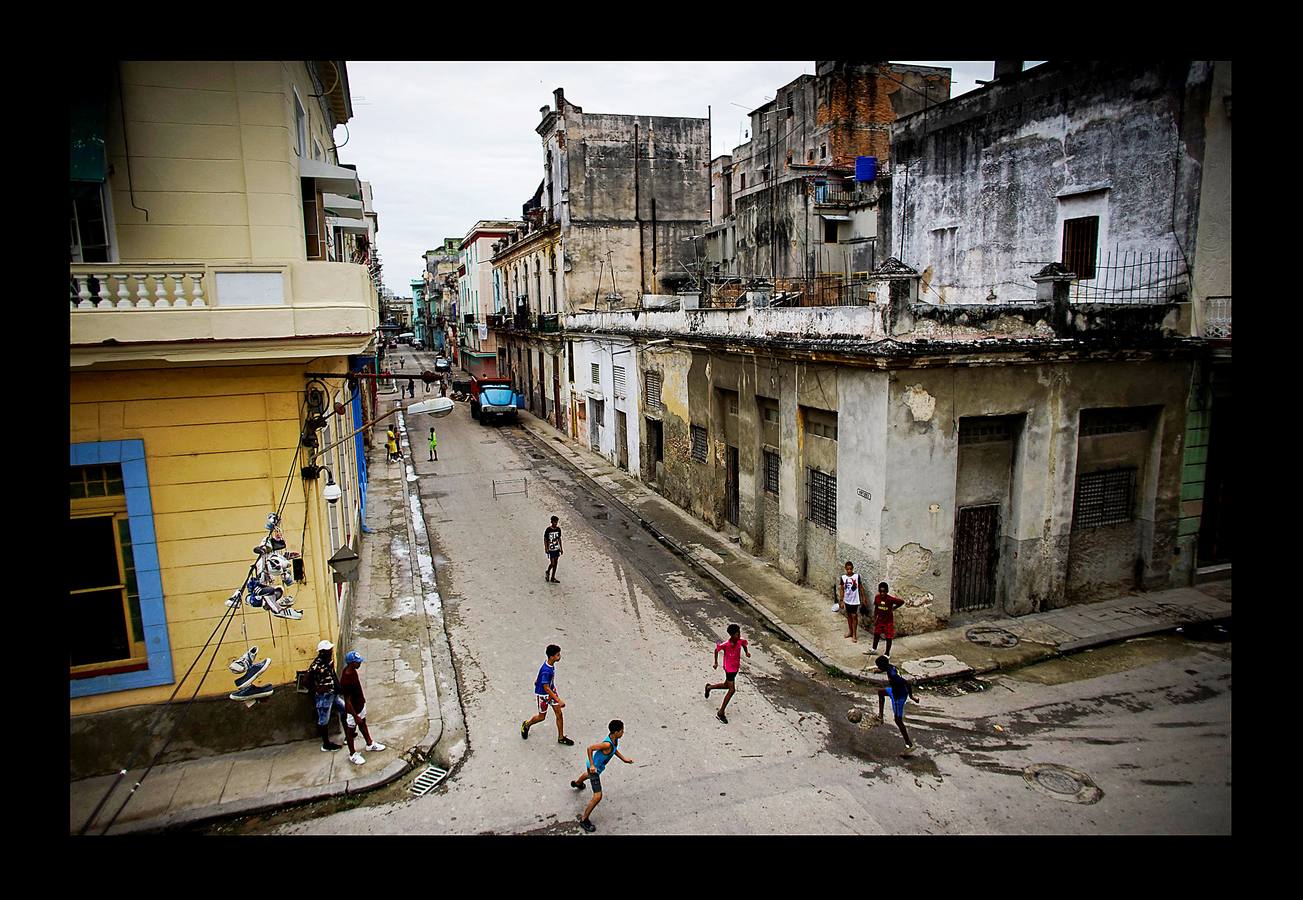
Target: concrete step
{"x":1206,"y":574}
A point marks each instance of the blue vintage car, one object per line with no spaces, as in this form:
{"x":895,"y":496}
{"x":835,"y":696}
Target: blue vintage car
{"x":497,"y":401}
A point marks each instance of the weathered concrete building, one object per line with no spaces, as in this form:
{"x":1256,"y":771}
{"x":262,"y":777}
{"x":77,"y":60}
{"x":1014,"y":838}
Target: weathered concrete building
{"x":477,"y":346}
{"x":787,"y":205}
{"x":612,"y":223}
{"x":1008,"y":456}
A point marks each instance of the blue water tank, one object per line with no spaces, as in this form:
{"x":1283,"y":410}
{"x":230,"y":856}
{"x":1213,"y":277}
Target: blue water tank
{"x":866,"y":168}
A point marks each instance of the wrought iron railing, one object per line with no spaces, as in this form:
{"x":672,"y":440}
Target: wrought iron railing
{"x":1217,"y":318}
{"x":1134,"y":276}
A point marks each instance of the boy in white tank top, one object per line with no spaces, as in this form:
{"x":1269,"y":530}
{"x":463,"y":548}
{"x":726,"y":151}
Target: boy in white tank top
{"x":849,"y":592}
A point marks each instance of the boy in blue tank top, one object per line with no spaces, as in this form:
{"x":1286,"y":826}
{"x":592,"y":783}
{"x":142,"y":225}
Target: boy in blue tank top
{"x":599,"y":755}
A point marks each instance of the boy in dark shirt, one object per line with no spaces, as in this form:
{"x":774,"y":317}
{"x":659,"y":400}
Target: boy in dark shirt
{"x":898,"y":690}
{"x":884,"y":617}
{"x":552,"y":546}
{"x":325,"y":683}
{"x":350,"y":689}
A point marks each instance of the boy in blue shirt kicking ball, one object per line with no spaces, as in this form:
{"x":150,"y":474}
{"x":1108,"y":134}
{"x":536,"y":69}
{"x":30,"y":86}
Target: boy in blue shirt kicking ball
{"x":599,"y":755}
{"x":898,"y":690}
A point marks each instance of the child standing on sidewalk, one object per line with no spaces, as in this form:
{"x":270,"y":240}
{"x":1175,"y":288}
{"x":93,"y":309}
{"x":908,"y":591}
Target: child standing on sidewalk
{"x":434,"y":446}
{"x":733,"y":649}
{"x":546,"y":695}
{"x":898,"y":690}
{"x":599,"y":755}
{"x":884,"y":617}
{"x":849,"y":593}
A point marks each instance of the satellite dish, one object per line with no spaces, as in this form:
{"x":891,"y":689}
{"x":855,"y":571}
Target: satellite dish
{"x":438,"y":407}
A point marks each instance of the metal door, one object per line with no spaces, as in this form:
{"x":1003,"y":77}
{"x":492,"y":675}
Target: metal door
{"x":730,"y":484}
{"x":977,"y":556}
{"x":556,"y":390}
{"x":595,"y":425}
{"x":621,"y":440}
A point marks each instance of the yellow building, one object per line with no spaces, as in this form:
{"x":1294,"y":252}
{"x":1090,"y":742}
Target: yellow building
{"x":209,"y":215}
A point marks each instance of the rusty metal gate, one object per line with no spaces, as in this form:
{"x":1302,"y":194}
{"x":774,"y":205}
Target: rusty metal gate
{"x":977,"y":556}
{"x":731,"y":485}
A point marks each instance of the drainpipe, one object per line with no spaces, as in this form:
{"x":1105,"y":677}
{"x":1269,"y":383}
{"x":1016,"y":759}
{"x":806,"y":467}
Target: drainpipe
{"x":637,"y":214}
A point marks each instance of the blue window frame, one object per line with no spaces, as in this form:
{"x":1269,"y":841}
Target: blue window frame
{"x":140,"y":518}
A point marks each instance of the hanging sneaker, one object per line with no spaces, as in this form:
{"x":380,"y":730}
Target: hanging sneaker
{"x":234,"y":601}
{"x":284,"y":613}
{"x":254,"y":671}
{"x":276,"y":543}
{"x":357,"y":759}
{"x":241,"y":663}
{"x":252,"y":692}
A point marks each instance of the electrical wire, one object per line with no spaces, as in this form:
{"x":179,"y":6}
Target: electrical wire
{"x":228,"y":617}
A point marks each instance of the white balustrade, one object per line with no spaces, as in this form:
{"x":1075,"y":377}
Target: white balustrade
{"x":106,"y":301}
{"x":197,"y":282}
{"x":124,"y":295}
{"x":142,"y":292}
{"x":160,"y":291}
{"x":178,"y":291}
{"x":83,"y":292}
{"x":162,"y":296}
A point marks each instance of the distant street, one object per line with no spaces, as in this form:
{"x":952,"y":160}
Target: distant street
{"x":1148,"y":722}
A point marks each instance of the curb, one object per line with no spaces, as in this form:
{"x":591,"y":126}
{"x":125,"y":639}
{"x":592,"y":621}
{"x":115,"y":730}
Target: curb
{"x":732,"y":591}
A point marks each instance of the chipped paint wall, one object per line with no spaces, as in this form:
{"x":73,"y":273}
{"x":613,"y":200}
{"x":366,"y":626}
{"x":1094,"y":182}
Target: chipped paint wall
{"x":993,"y":174}
{"x":828,"y":324}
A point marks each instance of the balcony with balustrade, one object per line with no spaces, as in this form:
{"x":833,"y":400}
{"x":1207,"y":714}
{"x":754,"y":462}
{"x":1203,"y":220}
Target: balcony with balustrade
{"x":209,"y":311}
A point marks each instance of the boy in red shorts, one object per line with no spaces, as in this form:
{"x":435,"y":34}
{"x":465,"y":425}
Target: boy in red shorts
{"x":884,"y":617}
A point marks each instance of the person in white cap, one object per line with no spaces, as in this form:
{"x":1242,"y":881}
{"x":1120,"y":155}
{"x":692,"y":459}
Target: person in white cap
{"x":350,"y":689}
{"x":325,"y":683}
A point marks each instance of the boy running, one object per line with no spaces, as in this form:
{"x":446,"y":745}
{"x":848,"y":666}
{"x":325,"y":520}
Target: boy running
{"x":848,"y":590}
{"x":552,"y":546}
{"x":733,"y":649}
{"x":898,"y":690}
{"x":546,"y":695}
{"x":884,"y":616}
{"x":599,"y":755}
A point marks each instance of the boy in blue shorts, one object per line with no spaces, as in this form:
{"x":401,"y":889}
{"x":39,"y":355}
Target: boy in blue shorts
{"x":898,"y":690}
{"x":546,"y":695}
{"x":599,"y":755}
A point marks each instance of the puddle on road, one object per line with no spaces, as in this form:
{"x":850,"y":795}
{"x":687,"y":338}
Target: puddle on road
{"x":1108,"y":660}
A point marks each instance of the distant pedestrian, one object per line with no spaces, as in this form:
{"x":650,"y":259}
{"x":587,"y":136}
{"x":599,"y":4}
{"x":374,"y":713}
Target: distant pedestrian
{"x":391,"y":443}
{"x":350,"y":688}
{"x":884,"y":616}
{"x":599,"y":755}
{"x":848,"y":591}
{"x":545,"y":694}
{"x":898,"y":690}
{"x":434,"y":446}
{"x":325,"y":686}
{"x":411,"y":387}
{"x":443,"y":387}
{"x":552,"y":546}
{"x":733,"y":649}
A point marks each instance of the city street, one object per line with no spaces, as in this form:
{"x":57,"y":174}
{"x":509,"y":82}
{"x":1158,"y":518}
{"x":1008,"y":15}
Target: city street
{"x":1147,"y":722}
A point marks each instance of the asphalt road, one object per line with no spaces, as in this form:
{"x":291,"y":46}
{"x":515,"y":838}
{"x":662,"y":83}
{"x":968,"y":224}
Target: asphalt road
{"x":1147,"y":724}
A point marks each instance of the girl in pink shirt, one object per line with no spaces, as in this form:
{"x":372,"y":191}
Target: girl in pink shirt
{"x":733,"y":649}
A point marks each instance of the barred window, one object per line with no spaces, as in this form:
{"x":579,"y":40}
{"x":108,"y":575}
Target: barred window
{"x":1095,"y":422}
{"x":771,"y":472}
{"x":1104,"y":498}
{"x":597,"y":373}
{"x":652,"y":389}
{"x":1079,"y":239}
{"x":821,"y":489}
{"x":771,"y":411}
{"x":985,"y":429}
{"x":698,"y":443}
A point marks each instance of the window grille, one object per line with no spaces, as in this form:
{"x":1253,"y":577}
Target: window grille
{"x":771,"y":472}
{"x":1095,"y":422}
{"x":985,"y":430}
{"x":1104,"y":498}
{"x":821,"y":489}
{"x":698,"y":443}
{"x":652,"y":389}
{"x":1080,"y":237}
{"x":618,"y":379}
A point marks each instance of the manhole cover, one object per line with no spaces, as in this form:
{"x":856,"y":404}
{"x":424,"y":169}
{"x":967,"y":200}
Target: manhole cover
{"x":1062,"y":783}
{"x":988,"y":636}
{"x":931,"y":663}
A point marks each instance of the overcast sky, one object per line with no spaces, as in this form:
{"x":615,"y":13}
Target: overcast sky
{"x":446,"y":144}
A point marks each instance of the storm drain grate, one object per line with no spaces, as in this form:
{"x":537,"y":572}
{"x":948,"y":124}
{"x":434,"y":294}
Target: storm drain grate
{"x":426,"y":781}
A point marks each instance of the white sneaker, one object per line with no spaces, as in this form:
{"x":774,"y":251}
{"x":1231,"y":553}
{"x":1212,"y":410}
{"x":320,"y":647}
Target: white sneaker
{"x":376,"y":746}
{"x":357,"y":759}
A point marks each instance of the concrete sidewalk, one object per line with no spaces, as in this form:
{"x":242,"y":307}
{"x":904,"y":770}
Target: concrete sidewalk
{"x":389,"y":629}
{"x":804,"y":615}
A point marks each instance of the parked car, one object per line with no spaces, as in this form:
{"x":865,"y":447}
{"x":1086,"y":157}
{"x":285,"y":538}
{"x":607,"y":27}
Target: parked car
{"x":493,"y":398}
{"x":441,"y":364}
